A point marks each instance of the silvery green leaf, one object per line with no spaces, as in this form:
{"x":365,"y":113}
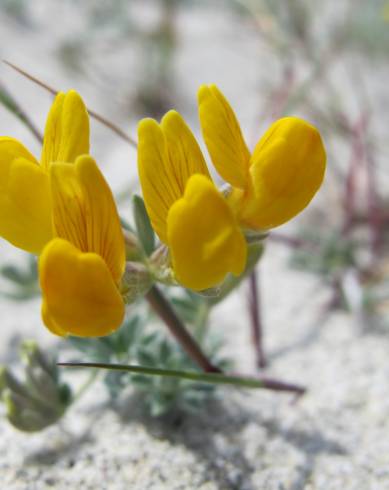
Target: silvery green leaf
{"x":143,"y":226}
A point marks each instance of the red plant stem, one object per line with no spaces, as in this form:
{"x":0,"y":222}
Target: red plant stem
{"x":356,"y":158}
{"x":363,"y":160}
{"x":256,"y":320}
{"x":281,"y":95}
{"x":288,"y":240}
{"x":275,"y":385}
{"x":93,"y":114}
{"x":375,"y":220}
{"x":165,"y":311}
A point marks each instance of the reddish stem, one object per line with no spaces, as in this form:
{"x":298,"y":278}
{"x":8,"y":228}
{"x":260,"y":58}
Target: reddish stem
{"x":291,"y":241}
{"x":374,"y":215}
{"x":356,"y":160}
{"x":256,"y":320}
{"x":165,"y":311}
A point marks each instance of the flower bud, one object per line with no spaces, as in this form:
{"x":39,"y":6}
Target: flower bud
{"x":41,"y":399}
{"x":136,"y":281}
{"x":28,"y":414}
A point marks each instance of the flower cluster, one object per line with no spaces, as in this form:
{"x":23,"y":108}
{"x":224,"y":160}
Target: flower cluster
{"x":62,"y":209}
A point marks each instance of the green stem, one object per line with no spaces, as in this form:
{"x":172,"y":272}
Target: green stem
{"x":201,"y":321}
{"x":85,"y":386}
{"x":13,"y":106}
{"x":213,"y":378}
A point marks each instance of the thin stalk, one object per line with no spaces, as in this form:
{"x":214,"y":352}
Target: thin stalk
{"x":356,"y":161}
{"x":165,"y":311}
{"x":93,"y":114}
{"x":201,"y":320}
{"x":13,"y":106}
{"x":213,"y":378}
{"x":85,"y":386}
{"x":256,"y":320}
{"x":291,"y":241}
{"x":373,"y":202}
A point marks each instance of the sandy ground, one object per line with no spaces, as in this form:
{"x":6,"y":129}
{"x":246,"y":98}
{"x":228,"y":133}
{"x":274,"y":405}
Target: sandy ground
{"x":334,"y":438}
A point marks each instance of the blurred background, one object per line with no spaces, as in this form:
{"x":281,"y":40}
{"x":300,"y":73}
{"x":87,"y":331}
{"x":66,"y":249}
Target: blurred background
{"x":324,"y":61}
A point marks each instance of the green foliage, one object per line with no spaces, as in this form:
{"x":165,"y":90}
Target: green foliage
{"x":162,"y":394}
{"x":324,"y":254}
{"x":192,"y":308}
{"x":134,"y":343}
{"x":10,"y":103}
{"x":121,"y":344}
{"x":23,"y":280}
{"x":144,"y":229}
{"x":368,"y":28}
{"x":17,"y":9}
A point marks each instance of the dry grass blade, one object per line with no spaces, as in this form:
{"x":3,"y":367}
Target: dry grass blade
{"x":93,"y":114}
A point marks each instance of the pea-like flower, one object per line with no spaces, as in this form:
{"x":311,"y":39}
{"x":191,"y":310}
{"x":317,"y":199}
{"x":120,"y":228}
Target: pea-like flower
{"x":275,"y":182}
{"x":25,"y":200}
{"x":80,"y":270}
{"x":186,"y":209}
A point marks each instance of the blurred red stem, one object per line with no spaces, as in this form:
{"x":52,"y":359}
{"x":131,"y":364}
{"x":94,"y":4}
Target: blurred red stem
{"x":356,"y":160}
{"x":374,"y":217}
{"x":93,"y":114}
{"x":256,"y":320}
{"x":288,"y":240}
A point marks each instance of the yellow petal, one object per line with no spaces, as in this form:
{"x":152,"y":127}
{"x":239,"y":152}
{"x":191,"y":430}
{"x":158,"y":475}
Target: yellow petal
{"x":204,"y":240}
{"x":50,"y":322}
{"x":10,"y":148}
{"x":79,"y":295}
{"x":185,"y":157}
{"x":25,"y":203}
{"x":67,"y":130}
{"x":168,"y":154}
{"x":287,"y":169}
{"x":104,"y":231}
{"x":159,"y":191}
{"x":68,"y":205}
{"x":85,"y":214}
{"x":223,"y":136}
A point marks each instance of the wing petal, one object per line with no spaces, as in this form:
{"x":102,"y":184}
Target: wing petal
{"x":67,"y":130}
{"x":223,"y":136}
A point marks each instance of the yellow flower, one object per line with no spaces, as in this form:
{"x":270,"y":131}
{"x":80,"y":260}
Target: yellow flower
{"x":81,"y":268}
{"x":25,"y":202}
{"x":186,"y":210}
{"x":275,"y":182}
